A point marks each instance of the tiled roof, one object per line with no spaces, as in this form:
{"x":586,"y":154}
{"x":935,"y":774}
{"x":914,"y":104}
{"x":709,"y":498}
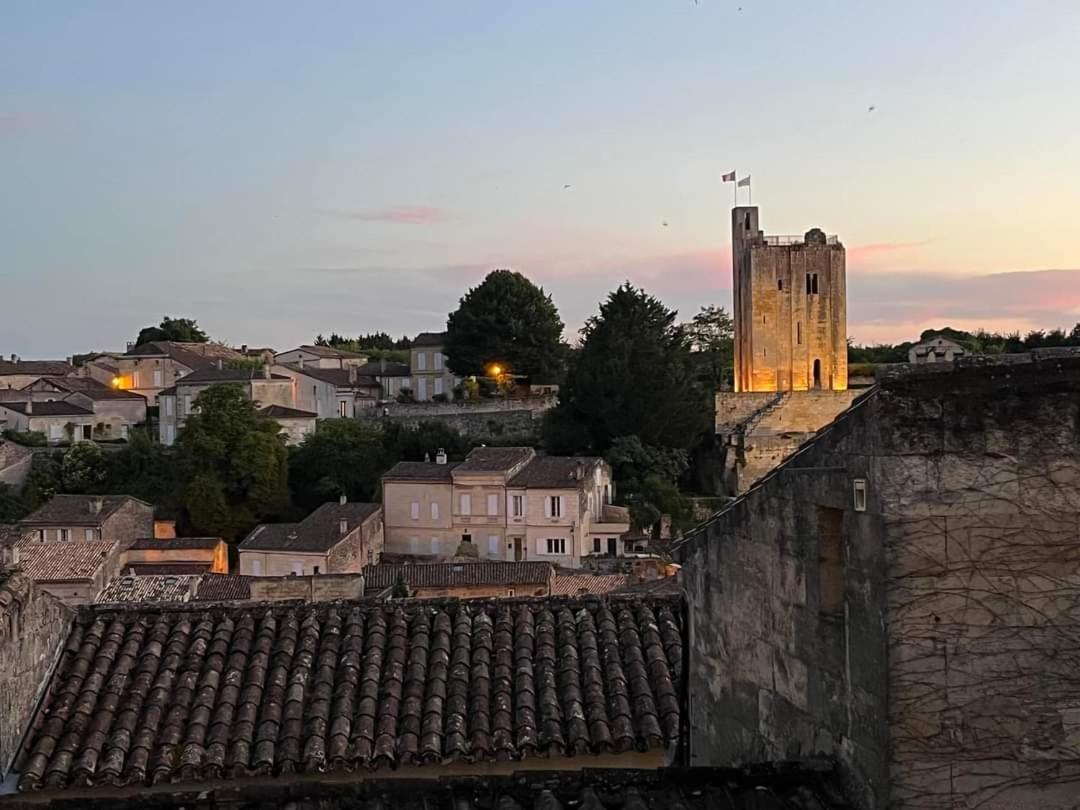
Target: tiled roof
{"x":339,"y":377}
{"x":576,"y":584}
{"x":458,"y":574}
{"x":223,"y":588}
{"x":139,"y":589}
{"x":213,"y":374}
{"x":192,"y":355}
{"x":167,"y":568}
{"x":554,"y":472}
{"x":326,"y":351}
{"x":173,"y":543}
{"x":420,"y":471}
{"x":57,"y":562}
{"x":282,"y":412}
{"x":87,"y":386}
{"x":429,"y":339}
{"x":40,"y":367}
{"x":76,"y":510}
{"x":318,"y":532}
{"x":54,"y":408}
{"x":494,"y":459}
{"x":159,"y":695}
{"x":667,"y":585}
{"x":388,"y":369}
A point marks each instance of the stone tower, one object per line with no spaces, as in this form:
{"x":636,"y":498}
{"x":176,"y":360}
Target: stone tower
{"x":790,"y":309}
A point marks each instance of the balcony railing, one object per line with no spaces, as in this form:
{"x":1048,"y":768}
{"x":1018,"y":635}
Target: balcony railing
{"x":787,"y":241}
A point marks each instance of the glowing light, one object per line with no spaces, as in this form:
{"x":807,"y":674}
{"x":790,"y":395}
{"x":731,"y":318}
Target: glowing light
{"x":496,"y":370}
{"x":115,"y":382}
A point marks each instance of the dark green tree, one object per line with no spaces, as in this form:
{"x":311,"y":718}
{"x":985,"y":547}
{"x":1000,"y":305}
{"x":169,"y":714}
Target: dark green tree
{"x":634,"y":375}
{"x":507,"y":320}
{"x":403,"y":443}
{"x":83,"y":469}
{"x":342,"y":457}
{"x":401,"y":588}
{"x":648,"y":481}
{"x":12,"y":508}
{"x":232,"y":465}
{"x":183,"y":330}
{"x":144,"y":469}
{"x":712,"y":344}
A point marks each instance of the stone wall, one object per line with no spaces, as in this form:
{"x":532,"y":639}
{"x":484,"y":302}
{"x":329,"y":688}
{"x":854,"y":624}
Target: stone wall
{"x":319,"y":588}
{"x":32,"y":627}
{"x":131,"y":521}
{"x":947,"y":602}
{"x":524,"y":425}
{"x":351,"y":555}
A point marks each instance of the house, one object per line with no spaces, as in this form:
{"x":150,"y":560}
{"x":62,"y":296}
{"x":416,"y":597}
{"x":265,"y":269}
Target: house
{"x":296,"y":425}
{"x":332,"y":393}
{"x":117,"y":518}
{"x":73,"y":573}
{"x":391,"y":377}
{"x":115,"y":411}
{"x":176,"y":555}
{"x":935,"y":350}
{"x":105,"y":368}
{"x":508,"y":502}
{"x":60,"y":421}
{"x":427,"y":367}
{"x":16,"y":373}
{"x":15,"y":462}
{"x":465,"y":579}
{"x":320,"y":357}
{"x":152,"y":367}
{"x":259,"y":385}
{"x":336,"y":538}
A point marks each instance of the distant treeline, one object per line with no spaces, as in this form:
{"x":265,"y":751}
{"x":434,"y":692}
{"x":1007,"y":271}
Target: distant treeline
{"x":980,"y":342}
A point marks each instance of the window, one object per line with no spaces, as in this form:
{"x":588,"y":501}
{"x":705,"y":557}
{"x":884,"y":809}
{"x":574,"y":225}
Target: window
{"x":859,"y":487}
{"x":88,"y":534}
{"x":493,"y":545}
{"x":256,"y":567}
{"x":434,"y":511}
{"x":466,"y":505}
{"x":315,"y":570}
{"x":298,"y":569}
{"x":421,"y":361}
{"x":493,"y":504}
{"x":780,"y":284}
{"x":414,"y":510}
{"x":168,"y":405}
{"x":438,"y":384}
{"x":596,"y":547}
{"x":187,"y":403}
{"x":813,"y":284}
{"x":831,"y":545}
{"x":65,"y":535}
{"x":434,"y":545}
{"x":41,"y":535}
{"x":807,"y":283}
{"x":315,"y":392}
{"x":553,"y":506}
{"x":798,"y":332}
{"x":517,"y":502}
{"x":509,"y":591}
{"x":438,"y":360}
{"x":157,"y":378}
{"x":343,"y":408}
{"x":556,"y":545}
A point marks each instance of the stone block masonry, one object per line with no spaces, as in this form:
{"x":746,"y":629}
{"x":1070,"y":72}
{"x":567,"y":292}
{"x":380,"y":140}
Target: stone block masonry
{"x":32,"y":628}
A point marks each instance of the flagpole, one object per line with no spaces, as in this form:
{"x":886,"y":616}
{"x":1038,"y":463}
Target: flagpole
{"x":736,"y":173}
{"x":750,"y":190}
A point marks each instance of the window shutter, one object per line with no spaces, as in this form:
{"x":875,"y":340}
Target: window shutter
{"x":547,"y":507}
{"x":434,"y":511}
{"x":414,"y":510}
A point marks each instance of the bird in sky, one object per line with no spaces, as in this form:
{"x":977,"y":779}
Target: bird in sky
{"x":870,"y":108}
{"x":664,"y":223}
{"x":566,"y":186}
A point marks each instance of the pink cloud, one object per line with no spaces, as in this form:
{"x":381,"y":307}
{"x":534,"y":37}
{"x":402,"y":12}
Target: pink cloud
{"x":398,"y":215}
{"x":858,"y":253}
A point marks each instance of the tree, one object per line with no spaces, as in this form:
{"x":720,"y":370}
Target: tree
{"x":712,"y":342}
{"x":83,"y":469}
{"x":232,"y":465}
{"x":401,"y":588}
{"x":183,"y":330}
{"x":634,"y":376}
{"x":508,"y":320}
{"x":648,"y":481}
{"x":144,"y":469}
{"x":342,"y":457}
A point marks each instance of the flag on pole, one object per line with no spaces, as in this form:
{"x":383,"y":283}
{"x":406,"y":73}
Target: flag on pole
{"x":729,"y":177}
{"x":744,"y":183}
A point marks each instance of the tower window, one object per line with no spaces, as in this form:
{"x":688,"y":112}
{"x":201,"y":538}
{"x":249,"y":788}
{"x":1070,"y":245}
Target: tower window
{"x":780,"y":284}
{"x":813,"y":278}
{"x":798,"y":332}
{"x":807,"y":283}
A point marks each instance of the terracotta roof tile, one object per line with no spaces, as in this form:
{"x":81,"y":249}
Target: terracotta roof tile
{"x":154,"y":588}
{"x":320,"y":531}
{"x":554,"y":472}
{"x":223,"y":588}
{"x":78,"y":510}
{"x":56,"y":562}
{"x":182,"y":695}
{"x":42,"y":368}
{"x":56,"y":407}
{"x":494,"y":459}
{"x":574,"y":584}
{"x":420,"y":471}
{"x":455,"y":574}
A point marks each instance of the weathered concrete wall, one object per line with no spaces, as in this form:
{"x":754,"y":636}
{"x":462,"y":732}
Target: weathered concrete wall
{"x":320,"y":588}
{"x":487,"y":425}
{"x":960,"y":594}
{"x":790,"y":655}
{"x":32,"y":627}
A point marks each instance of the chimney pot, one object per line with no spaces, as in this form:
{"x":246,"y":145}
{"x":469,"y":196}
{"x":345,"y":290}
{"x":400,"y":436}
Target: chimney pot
{"x":220,"y":365}
{"x":343,"y":526}
{"x":243,"y":348}
{"x":95,"y":506}
{"x":440,"y":456}
{"x":343,"y":499}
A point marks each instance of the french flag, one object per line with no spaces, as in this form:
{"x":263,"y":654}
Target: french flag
{"x":729,"y":177}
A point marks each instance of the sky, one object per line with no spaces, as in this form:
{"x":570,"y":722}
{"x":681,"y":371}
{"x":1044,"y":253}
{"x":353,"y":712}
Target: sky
{"x":278,"y":169}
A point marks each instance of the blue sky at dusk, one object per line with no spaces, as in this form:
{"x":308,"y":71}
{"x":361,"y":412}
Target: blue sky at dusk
{"x":281,"y":169}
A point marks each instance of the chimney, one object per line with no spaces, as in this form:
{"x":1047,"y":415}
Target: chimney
{"x":352,"y":374}
{"x":343,"y":499}
{"x":220,"y":364}
{"x":14,"y":358}
{"x":343,"y":527}
{"x":243,"y":348}
{"x":440,"y":456}
{"x":95,"y":506}
{"x":266,"y":371}
{"x":300,"y":362}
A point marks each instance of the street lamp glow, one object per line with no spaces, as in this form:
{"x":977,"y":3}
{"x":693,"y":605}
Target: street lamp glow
{"x":496,"y":370}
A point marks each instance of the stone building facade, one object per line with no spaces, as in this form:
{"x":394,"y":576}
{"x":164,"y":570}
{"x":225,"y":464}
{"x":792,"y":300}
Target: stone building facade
{"x":790,"y":308}
{"x":902,"y":593}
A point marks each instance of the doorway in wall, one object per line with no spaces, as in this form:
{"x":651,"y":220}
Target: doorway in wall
{"x":817,"y":374}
